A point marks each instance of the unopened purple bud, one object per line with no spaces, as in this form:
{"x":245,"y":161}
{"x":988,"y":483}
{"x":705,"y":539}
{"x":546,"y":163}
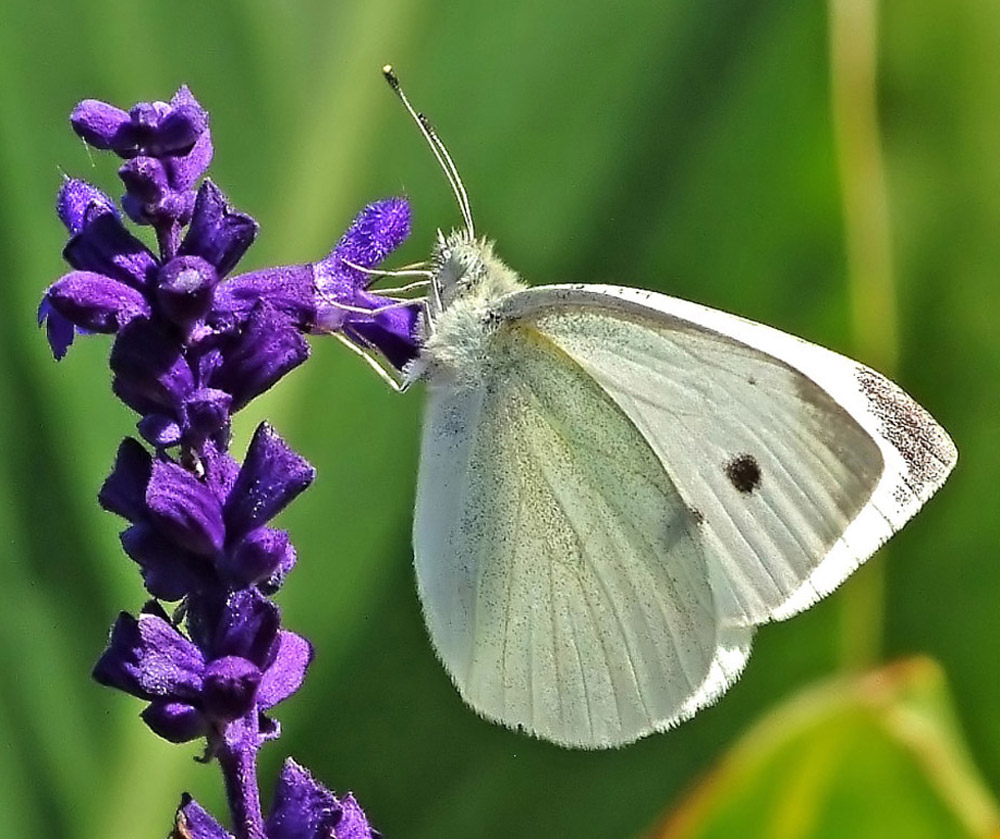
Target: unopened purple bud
{"x":271,"y":476}
{"x":103,"y":126}
{"x":78,"y":198}
{"x":185,"y":169}
{"x":124,"y":491}
{"x":160,"y":430}
{"x":248,"y":628}
{"x":268,"y":347}
{"x":104,"y":246}
{"x":218,"y":233}
{"x":230,"y":687}
{"x":176,"y":722}
{"x":96,"y":302}
{"x":168,"y":572}
{"x":149,"y":658}
{"x":258,"y":556}
{"x":145,"y":178}
{"x":184,"y":289}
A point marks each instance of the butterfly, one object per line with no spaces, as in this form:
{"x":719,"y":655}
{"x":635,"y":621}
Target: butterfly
{"x":616,"y":487}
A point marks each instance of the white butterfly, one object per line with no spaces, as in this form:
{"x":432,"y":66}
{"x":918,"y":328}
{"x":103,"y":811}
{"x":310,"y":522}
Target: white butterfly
{"x":616,"y":487}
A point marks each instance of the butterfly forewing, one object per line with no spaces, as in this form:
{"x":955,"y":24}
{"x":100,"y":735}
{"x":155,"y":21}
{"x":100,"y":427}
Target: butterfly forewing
{"x":797,"y":462}
{"x":564,"y":578}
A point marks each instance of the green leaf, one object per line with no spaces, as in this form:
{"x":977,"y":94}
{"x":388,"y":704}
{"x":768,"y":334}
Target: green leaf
{"x":875,"y":755}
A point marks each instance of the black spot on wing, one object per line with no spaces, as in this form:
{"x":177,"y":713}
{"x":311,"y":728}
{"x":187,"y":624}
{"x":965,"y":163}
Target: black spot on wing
{"x":743,"y":473}
{"x":697,"y":515}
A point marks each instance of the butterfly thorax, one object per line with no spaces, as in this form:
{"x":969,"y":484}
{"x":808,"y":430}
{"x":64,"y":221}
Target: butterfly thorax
{"x":460,"y":318}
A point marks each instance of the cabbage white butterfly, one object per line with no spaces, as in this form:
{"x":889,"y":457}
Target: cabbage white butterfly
{"x":616,"y":487}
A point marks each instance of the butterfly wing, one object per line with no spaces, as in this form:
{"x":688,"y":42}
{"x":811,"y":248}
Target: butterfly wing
{"x":799,"y":462}
{"x":564,"y":580}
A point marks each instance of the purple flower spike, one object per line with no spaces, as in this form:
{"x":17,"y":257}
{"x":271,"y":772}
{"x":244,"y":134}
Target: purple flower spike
{"x":192,"y":346}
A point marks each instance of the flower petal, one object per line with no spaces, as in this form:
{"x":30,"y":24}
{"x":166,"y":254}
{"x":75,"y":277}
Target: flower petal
{"x":193,"y":822}
{"x":354,"y":823}
{"x":168,"y":572}
{"x":218,"y":234}
{"x":376,"y":231}
{"x":288,"y":290}
{"x":145,"y":178}
{"x":268,"y":347}
{"x":393,"y":332}
{"x":176,"y":722}
{"x":303,"y":808}
{"x":271,"y":476}
{"x":287,"y":671}
{"x":184,"y":509}
{"x":124,"y":491}
{"x":104,"y":246}
{"x":182,"y":124}
{"x":160,"y":430}
{"x":59,"y":331}
{"x":149,"y":658}
{"x":184,"y":169}
{"x":95,"y":302}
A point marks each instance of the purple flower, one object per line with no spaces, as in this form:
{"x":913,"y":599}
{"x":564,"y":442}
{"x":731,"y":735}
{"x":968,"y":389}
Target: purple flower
{"x":251,"y":665}
{"x":331,"y":295}
{"x":193,"y":534}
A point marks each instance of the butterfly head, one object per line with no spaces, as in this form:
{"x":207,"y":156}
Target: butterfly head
{"x":465,"y":268}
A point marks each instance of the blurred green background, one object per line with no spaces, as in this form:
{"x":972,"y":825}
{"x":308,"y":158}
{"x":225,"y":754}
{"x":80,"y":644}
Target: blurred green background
{"x":720,"y":151}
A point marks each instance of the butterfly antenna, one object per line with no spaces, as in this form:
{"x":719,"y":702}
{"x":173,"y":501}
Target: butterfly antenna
{"x":440,"y":152}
